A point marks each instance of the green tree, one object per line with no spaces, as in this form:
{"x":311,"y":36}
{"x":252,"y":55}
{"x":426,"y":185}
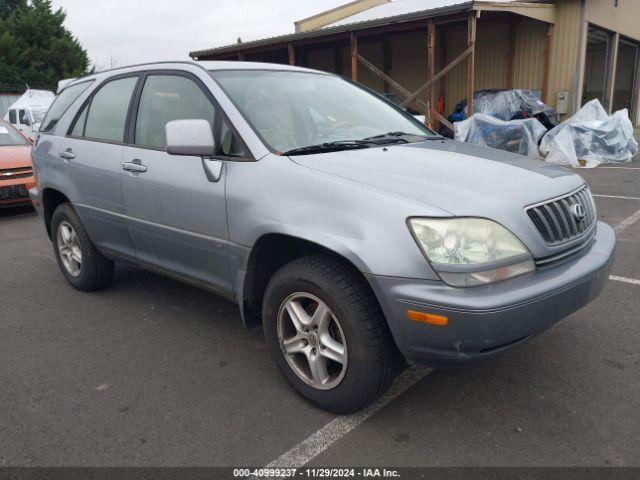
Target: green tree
{"x":35,"y":47}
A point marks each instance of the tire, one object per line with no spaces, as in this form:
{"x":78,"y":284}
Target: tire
{"x":370,"y":360}
{"x":93,"y":271}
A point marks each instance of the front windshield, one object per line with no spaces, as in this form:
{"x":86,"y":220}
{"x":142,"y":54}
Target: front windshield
{"x":292,"y":110}
{"x":9,"y":136}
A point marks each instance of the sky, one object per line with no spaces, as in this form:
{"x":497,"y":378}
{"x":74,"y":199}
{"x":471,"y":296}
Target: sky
{"x":124,"y":32}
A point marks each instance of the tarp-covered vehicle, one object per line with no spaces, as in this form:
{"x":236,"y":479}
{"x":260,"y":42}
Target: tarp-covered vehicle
{"x":516,"y":136}
{"x":507,"y":105}
{"x":590,"y":138}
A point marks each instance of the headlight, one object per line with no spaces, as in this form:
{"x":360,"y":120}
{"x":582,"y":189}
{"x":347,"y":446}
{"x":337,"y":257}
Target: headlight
{"x":471,"y":251}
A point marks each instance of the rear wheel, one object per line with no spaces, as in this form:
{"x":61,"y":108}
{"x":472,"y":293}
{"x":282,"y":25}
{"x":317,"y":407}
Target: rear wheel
{"x":80,"y":262}
{"x":327,"y":334}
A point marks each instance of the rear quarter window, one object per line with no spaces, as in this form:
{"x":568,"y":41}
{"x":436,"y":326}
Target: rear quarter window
{"x":62,"y":104}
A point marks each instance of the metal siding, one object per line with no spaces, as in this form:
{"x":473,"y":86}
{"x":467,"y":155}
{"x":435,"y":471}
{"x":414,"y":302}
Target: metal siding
{"x":565,"y":47}
{"x":322,"y":60}
{"x":455,"y":82}
{"x":543,"y":12}
{"x":409,"y":64}
{"x":528,"y":65}
{"x":491,"y":56}
{"x":373,"y":53}
{"x":622,"y":19}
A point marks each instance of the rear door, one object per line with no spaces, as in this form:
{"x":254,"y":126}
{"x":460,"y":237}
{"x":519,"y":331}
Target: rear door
{"x":176,"y":214}
{"x":92,"y":153}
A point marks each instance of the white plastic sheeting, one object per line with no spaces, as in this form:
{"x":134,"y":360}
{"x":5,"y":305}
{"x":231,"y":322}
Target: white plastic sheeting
{"x":34,"y":98}
{"x":517,"y":136}
{"x":590,"y":138}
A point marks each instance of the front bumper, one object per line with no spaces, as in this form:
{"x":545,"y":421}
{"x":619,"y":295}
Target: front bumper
{"x":36,"y":201}
{"x":486,"y":320}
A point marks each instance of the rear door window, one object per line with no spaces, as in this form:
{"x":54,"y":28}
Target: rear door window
{"x":107,"y":113}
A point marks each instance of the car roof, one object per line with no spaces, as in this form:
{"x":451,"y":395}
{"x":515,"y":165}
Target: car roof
{"x":233,"y":65}
{"x":205,"y":65}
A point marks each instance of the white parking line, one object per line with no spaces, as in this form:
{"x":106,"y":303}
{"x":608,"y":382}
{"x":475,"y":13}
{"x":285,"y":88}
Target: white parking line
{"x":617,"y":196}
{"x":337,"y":428}
{"x":619,"y":168}
{"x":624,"y":279}
{"x":627,"y":222}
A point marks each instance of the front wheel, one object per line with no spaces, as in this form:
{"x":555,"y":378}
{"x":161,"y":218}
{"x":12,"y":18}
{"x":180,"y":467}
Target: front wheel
{"x":327,"y":334}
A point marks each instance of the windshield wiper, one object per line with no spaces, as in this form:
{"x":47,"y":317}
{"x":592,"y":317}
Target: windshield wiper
{"x":330,"y":147}
{"x":396,"y":137}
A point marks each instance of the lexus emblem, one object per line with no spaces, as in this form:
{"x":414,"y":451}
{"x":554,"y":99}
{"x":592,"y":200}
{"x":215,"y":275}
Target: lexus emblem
{"x":578,"y":211}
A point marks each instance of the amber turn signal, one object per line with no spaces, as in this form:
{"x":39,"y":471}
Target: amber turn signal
{"x":429,"y":318}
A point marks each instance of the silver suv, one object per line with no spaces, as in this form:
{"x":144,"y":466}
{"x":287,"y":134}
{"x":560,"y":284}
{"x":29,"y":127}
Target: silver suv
{"x":354,"y":235}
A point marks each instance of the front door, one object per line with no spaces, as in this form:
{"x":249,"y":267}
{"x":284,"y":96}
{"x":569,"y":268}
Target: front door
{"x":176,"y":215}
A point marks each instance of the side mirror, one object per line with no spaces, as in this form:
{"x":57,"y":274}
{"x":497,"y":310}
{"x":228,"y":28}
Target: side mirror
{"x":190,"y":137}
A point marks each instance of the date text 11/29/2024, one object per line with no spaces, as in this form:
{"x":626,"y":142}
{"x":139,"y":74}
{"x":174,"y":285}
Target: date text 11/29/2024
{"x":320,"y":472}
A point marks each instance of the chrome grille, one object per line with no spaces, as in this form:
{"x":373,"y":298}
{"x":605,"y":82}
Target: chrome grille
{"x":11,"y":173}
{"x":559,"y":220}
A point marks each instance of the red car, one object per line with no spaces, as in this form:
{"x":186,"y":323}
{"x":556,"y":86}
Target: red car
{"x":16,"y":170}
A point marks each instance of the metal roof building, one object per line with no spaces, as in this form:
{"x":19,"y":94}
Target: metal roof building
{"x":429,"y":54}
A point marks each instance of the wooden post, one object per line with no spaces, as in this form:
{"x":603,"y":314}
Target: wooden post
{"x":511,"y":56}
{"x":442,"y":92}
{"x":292,"y":53}
{"x":431,"y":67}
{"x":471,"y":60}
{"x":354,"y":57}
{"x":547,"y":65}
{"x":610,"y":75}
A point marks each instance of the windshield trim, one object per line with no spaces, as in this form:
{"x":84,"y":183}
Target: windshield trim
{"x":267,"y":145}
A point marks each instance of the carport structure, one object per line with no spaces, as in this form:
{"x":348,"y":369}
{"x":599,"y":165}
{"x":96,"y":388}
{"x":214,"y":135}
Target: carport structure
{"x":424,"y":54}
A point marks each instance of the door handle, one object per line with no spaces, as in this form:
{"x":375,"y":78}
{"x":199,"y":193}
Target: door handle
{"x":67,"y":154}
{"x":134,"y":166}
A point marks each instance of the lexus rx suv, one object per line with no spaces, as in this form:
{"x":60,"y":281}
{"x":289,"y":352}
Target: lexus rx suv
{"x":356,"y":237}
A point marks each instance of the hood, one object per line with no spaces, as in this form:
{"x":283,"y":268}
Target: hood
{"x":15,"y":157}
{"x":460,"y":178}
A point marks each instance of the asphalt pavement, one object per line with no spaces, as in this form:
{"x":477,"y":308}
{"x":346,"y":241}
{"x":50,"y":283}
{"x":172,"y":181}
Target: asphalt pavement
{"x":151,"y":372}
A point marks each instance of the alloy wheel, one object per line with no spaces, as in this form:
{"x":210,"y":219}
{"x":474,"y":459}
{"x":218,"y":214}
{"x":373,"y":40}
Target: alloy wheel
{"x":69,"y":249}
{"x":312,"y":341}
